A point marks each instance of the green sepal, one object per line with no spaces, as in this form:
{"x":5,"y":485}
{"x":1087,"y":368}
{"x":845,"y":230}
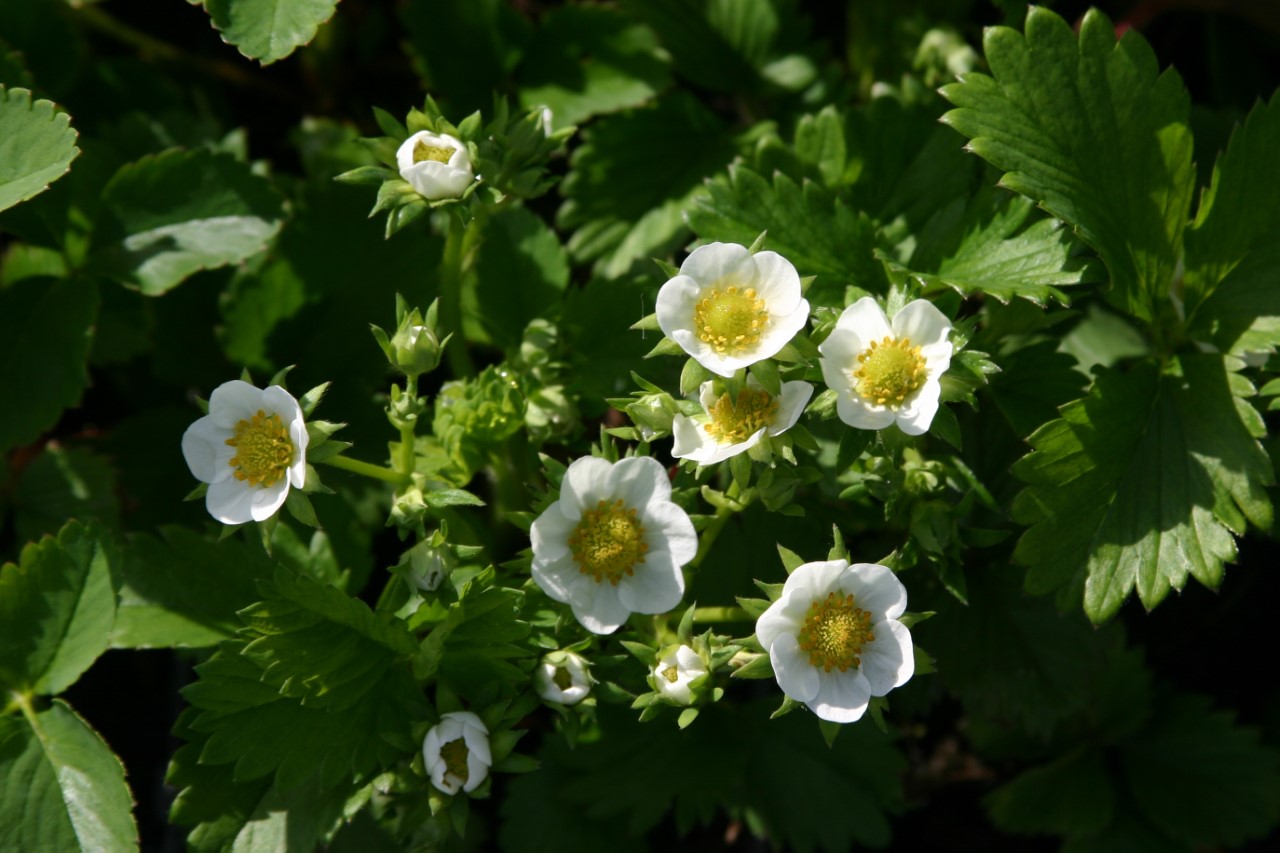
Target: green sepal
{"x":790,"y":559}
{"x":643,"y":653}
{"x":758,"y":667}
{"x":666,"y":346}
{"x":299,"y":506}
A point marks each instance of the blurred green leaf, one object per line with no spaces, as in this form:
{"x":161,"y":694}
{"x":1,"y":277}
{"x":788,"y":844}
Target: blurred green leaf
{"x":1072,"y":795}
{"x":715,"y":44}
{"x":1090,"y":130}
{"x":63,"y":483}
{"x":1143,"y":482}
{"x":167,"y":216}
{"x":63,"y":788}
{"x":1033,"y":383}
{"x":45,"y":329}
{"x":57,"y":605}
{"x":521,"y":274}
{"x":269,"y":30}
{"x":465,"y":50}
{"x":590,"y":60}
{"x":39,"y":145}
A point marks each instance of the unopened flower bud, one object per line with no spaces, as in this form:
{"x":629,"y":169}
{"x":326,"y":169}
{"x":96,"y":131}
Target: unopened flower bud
{"x":674,"y":672}
{"x":429,"y":564}
{"x":562,"y":677}
{"x":437,"y":165}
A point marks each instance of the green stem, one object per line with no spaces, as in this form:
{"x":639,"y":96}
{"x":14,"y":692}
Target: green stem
{"x":721,"y":518}
{"x":405,"y":462}
{"x":451,"y":274}
{"x":377,"y":472}
{"x":720,"y":614}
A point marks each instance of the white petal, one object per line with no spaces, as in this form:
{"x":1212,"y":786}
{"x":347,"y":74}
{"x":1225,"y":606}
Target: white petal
{"x":585,"y":484}
{"x":691,"y":440}
{"x":298,"y":468}
{"x":920,"y":321}
{"x":777,"y":282}
{"x":781,"y":618}
{"x":550,"y":534}
{"x":840,"y":350}
{"x":725,"y":264}
{"x":714,"y":451}
{"x":707,"y":395}
{"x":857,"y":413}
{"x":404,"y":154}
{"x":268,"y":500}
{"x":204,"y":446}
{"x":725,"y":364}
{"x":690,"y":662}
{"x":604,"y":613}
{"x":431,"y":745}
{"x":230,"y":501}
{"x":668,"y":528}
{"x":445,"y":783}
{"x":656,"y":587}
{"x":557,"y":577}
{"x":937,"y":358}
{"x":277,"y":401}
{"x":866,"y":319}
{"x":915,"y":417}
{"x":780,"y":329}
{"x":876,"y":589}
{"x":796,"y":676}
{"x":842,"y":696}
{"x":815,"y":579}
{"x":675,"y":305}
{"x":890,"y":660}
{"x":638,"y":481}
{"x":234,"y":401}
{"x":795,"y":396}
{"x":477,"y":772}
{"x":477,"y":741}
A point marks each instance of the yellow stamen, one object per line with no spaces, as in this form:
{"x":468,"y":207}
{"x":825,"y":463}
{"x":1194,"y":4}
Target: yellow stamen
{"x":834,"y":632}
{"x":608,"y":542}
{"x":730,"y":319}
{"x":264,"y":450}
{"x":890,"y":371}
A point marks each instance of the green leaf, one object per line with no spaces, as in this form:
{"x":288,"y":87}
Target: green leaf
{"x":1072,"y":795}
{"x":1032,"y":383}
{"x":1233,"y":247}
{"x":631,"y":180}
{"x":1202,"y":779}
{"x":807,"y":225}
{"x":590,"y":60}
{"x":39,"y":145}
{"x":521,"y":274}
{"x":1239,"y":213}
{"x":167,"y":216}
{"x":269,"y":30}
{"x":47,"y":328}
{"x":61,"y":483}
{"x":1091,"y":130}
{"x":997,"y":244}
{"x":57,"y":606}
{"x":63,"y":788}
{"x":716,"y":45}
{"x":1143,"y":482}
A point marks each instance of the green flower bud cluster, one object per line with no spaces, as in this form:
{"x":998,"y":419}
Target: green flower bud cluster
{"x":415,"y":347}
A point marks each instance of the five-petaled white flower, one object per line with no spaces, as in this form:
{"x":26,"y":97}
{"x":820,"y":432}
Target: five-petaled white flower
{"x":885,"y":373}
{"x":435,"y":164}
{"x":729,"y":308}
{"x":732,"y":426}
{"x":456,"y":752}
{"x":674,"y":672}
{"x":562,"y":677}
{"x":250,"y":448}
{"x":613,"y":544}
{"x":834,"y":637}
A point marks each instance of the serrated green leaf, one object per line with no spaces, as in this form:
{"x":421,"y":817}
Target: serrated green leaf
{"x":63,"y":788}
{"x":47,"y":329}
{"x":57,"y":605}
{"x":807,"y":225}
{"x":167,"y":216}
{"x":269,"y":30}
{"x":997,"y":244}
{"x":1201,"y":778}
{"x":1242,"y":314}
{"x":1093,"y":132}
{"x":39,"y":145}
{"x":1142,"y":483}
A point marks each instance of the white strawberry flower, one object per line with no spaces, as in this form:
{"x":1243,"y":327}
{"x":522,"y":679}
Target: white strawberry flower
{"x":456,"y":752}
{"x":834,"y":638}
{"x":614,"y":543}
{"x":884,"y":372}
{"x":735,"y":425}
{"x":675,"y":671}
{"x":437,"y":165}
{"x":729,"y":308}
{"x":250,"y":448}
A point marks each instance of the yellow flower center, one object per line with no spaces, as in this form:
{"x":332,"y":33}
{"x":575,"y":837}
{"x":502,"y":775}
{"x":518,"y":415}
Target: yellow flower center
{"x":730,"y":320}
{"x":891,"y":371}
{"x":455,"y":754}
{"x":834,"y":632}
{"x":263,"y":449}
{"x":671,"y":674}
{"x":608,"y":542}
{"x":423,"y":151}
{"x":563,"y":678}
{"x":733,"y":422}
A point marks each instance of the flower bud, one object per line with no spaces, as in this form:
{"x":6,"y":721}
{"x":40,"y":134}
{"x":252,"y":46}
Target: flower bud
{"x":672,"y":676}
{"x":429,"y":564}
{"x":562,"y":677}
{"x":653,"y":414}
{"x":437,"y":165}
{"x":456,"y":753}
